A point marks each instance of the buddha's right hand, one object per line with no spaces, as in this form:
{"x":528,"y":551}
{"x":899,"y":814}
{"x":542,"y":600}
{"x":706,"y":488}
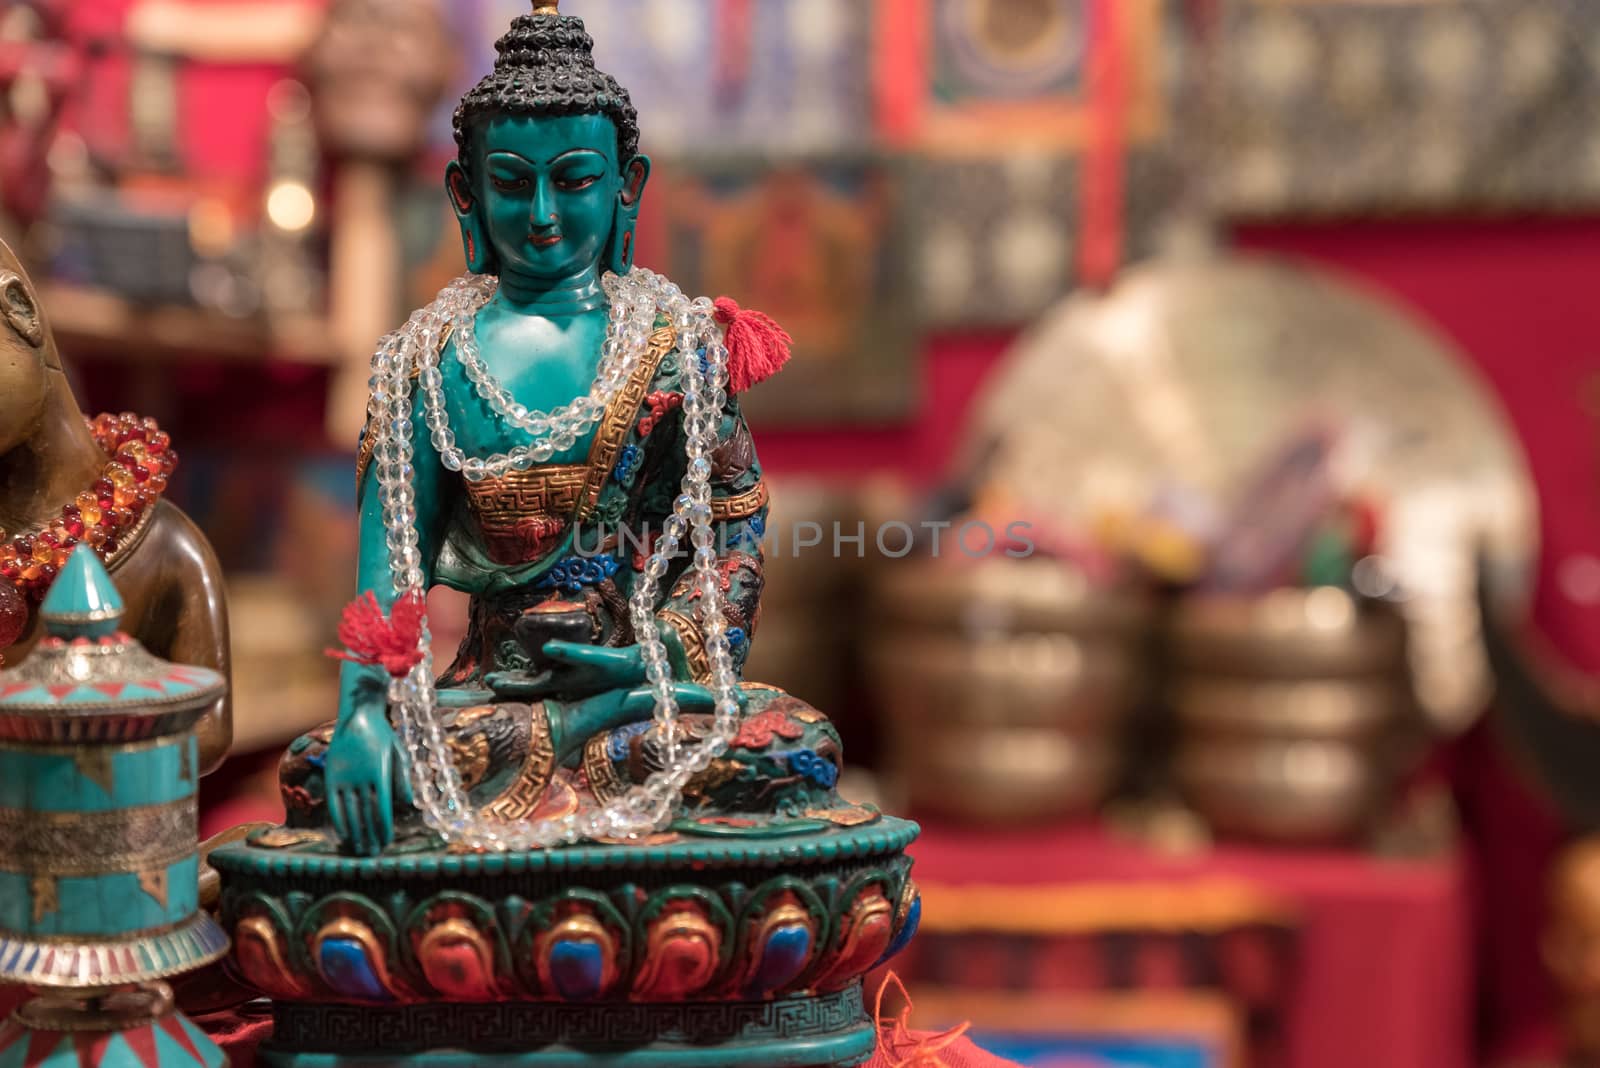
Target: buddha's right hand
{"x":365,"y":771}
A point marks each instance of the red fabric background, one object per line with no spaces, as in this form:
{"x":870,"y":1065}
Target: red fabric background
{"x":1384,"y":978}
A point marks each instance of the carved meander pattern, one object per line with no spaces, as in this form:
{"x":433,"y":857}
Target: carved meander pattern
{"x":520,"y":1027}
{"x":731,"y":939}
{"x":524,"y":513}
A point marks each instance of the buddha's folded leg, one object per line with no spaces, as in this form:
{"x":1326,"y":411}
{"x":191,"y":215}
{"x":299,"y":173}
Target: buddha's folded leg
{"x":785,"y":759}
{"x":502,"y":753}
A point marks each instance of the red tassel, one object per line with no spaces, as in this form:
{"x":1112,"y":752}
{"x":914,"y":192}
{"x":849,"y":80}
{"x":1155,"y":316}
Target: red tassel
{"x":757,"y":346}
{"x":898,"y":1045}
{"x":392,"y":642}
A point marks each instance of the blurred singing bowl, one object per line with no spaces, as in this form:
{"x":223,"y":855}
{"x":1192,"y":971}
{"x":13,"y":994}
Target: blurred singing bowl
{"x":1002,"y":775}
{"x":1005,"y":684}
{"x":1350,"y":709}
{"x":1318,"y":632}
{"x":1001,"y":593}
{"x":933,"y":680}
{"x":802,"y":579}
{"x":1303,"y":792}
{"x":794,"y":653}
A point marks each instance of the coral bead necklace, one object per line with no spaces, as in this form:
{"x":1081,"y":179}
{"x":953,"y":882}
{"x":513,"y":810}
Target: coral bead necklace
{"x":140,"y":461}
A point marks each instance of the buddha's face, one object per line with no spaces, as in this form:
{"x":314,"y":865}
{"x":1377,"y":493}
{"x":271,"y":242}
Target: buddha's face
{"x":547,"y":192}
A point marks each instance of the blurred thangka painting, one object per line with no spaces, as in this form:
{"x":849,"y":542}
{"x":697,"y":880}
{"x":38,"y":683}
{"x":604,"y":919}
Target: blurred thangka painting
{"x":725,"y":75}
{"x":1350,"y":106}
{"x":815,"y":243}
{"x":1006,"y":107}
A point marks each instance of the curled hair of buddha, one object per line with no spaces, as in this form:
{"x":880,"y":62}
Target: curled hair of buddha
{"x":546,"y":67}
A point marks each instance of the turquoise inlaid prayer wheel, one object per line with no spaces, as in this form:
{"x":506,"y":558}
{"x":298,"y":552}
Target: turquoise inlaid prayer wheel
{"x":99,"y":855}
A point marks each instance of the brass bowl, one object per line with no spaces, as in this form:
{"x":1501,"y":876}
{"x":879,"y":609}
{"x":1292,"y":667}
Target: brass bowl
{"x":934,"y":680}
{"x":1295,"y":712}
{"x":1006,"y":685}
{"x":795,"y":653}
{"x":1001,"y":594}
{"x":1358,"y":710}
{"x":1005,"y":775}
{"x":809,"y":599}
{"x":1298,"y":792}
{"x":1290,"y":633}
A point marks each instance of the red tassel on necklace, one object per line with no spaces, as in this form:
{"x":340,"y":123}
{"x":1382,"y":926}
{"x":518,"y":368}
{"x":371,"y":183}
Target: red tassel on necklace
{"x":757,"y":346}
{"x":392,"y":642}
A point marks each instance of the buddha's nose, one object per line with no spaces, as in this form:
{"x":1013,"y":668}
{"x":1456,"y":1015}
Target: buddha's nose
{"x":542,"y":215}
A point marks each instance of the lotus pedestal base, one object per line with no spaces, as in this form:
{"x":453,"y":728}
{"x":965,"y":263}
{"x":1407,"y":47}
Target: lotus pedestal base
{"x":695,"y":950}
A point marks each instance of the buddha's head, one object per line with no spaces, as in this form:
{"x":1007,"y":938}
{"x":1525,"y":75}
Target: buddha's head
{"x":548,"y":178}
{"x":29,"y":365}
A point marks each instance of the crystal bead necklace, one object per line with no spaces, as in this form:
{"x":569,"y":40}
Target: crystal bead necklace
{"x":636,"y":301}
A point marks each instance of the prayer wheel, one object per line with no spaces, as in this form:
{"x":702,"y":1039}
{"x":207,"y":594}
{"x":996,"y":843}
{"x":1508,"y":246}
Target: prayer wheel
{"x":99,"y":862}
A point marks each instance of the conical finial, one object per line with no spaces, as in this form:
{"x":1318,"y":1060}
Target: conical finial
{"x":82,"y":602}
{"x":546,"y":7}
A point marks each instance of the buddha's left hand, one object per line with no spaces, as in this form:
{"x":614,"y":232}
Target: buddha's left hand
{"x":580,"y":671}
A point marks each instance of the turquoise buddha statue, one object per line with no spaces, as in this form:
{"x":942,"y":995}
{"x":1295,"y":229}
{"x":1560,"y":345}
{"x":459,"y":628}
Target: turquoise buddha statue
{"x":547,"y":708}
{"x":586,"y":839}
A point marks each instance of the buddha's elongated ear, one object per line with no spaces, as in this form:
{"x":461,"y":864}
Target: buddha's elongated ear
{"x":21,"y":308}
{"x":474,"y":239}
{"x":620,"y":249}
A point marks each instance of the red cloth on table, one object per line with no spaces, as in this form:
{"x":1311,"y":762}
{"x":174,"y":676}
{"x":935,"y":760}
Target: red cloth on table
{"x":1384,"y":976}
{"x":239,"y":1040}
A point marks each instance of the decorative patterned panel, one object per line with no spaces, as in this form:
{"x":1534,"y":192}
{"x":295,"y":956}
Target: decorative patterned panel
{"x":993,"y":241}
{"x":1000,"y":104}
{"x":1354,"y":106}
{"x":1009,"y":49}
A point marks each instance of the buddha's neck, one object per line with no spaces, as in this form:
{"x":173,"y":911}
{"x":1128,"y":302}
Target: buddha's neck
{"x":58,"y":461}
{"x":539,"y":296}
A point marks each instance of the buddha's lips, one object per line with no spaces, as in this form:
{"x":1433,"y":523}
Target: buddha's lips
{"x":545,"y":240}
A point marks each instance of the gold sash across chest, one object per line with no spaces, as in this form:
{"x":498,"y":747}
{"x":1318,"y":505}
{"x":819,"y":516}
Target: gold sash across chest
{"x":523,"y":512}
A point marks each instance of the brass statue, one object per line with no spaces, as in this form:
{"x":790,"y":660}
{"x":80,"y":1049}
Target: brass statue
{"x":52,"y":461}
